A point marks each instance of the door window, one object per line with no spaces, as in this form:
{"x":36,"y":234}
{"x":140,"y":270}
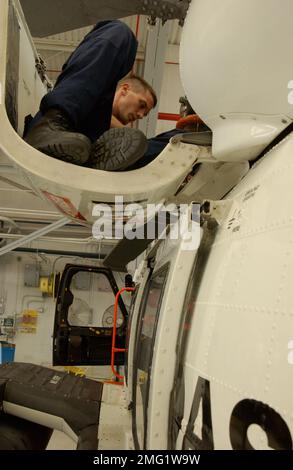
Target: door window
{"x":93,"y":301}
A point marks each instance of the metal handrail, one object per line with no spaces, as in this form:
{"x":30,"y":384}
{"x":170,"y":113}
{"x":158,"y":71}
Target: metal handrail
{"x":114,"y":349}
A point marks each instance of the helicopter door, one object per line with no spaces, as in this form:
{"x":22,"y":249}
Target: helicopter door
{"x":84,"y":317}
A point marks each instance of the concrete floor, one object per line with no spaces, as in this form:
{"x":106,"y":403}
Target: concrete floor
{"x":114,"y":427}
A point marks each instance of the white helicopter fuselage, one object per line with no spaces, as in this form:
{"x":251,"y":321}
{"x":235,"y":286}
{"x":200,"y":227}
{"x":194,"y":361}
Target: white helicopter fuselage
{"x":222,"y":359}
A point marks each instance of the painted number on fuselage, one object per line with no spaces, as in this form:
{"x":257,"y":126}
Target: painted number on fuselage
{"x":201,"y":398}
{"x":246,"y":413}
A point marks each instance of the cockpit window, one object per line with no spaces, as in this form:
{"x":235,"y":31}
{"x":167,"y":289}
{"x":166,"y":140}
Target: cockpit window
{"x":144,"y":350}
{"x":128,"y":330}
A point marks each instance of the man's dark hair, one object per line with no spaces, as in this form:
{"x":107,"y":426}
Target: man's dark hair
{"x":138,"y":83}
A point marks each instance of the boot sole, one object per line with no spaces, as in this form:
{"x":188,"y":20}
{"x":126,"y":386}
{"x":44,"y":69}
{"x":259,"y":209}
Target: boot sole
{"x":118,"y":148}
{"x":77,"y":153}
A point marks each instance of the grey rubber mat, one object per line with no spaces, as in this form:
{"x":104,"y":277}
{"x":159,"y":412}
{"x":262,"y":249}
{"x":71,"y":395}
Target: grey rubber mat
{"x":73,"y":398}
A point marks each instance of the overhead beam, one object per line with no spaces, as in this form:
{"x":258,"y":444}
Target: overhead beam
{"x":34,"y":235}
{"x":56,"y":16}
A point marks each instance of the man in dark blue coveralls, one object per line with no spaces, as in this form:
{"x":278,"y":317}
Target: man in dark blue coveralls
{"x":75,"y":117}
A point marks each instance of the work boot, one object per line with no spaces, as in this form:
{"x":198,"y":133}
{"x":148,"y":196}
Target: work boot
{"x":117,"y":149}
{"x":54,"y":135}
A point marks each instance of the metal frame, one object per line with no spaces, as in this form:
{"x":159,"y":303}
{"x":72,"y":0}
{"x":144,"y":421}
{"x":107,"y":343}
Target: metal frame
{"x":34,"y":235}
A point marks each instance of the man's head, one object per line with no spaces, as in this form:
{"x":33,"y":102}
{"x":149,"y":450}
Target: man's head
{"x":134,"y":98}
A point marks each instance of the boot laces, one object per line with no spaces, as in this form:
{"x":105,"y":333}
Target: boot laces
{"x":63,"y":122}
